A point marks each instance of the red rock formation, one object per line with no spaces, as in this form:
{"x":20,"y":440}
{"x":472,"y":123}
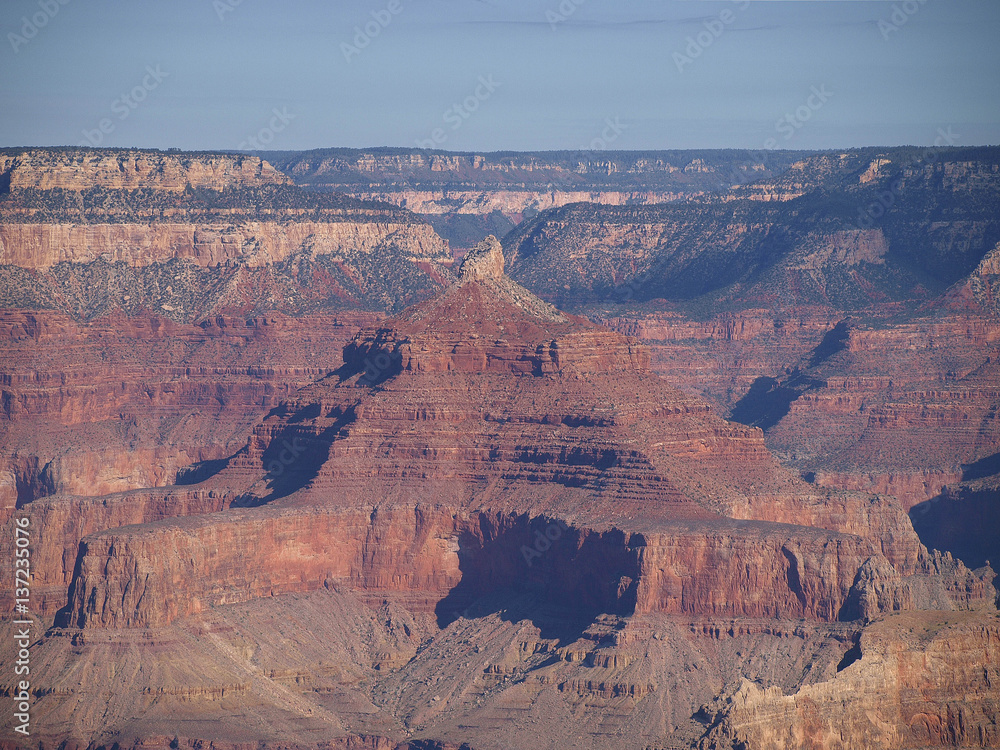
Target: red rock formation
{"x":899,"y":409}
{"x":437,"y":512}
{"x":922,"y":679}
{"x":488,"y":400}
{"x":156,"y":396}
{"x":59,"y":523}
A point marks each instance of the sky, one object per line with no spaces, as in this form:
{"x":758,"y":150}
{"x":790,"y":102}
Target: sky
{"x":486,"y":75}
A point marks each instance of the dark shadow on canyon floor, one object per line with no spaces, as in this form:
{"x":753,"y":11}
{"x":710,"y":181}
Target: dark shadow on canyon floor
{"x":558,"y":577}
{"x":963,"y":520}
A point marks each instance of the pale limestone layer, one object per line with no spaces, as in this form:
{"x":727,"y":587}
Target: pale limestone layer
{"x":132,"y":170}
{"x":512,"y":202}
{"x":40,"y":246}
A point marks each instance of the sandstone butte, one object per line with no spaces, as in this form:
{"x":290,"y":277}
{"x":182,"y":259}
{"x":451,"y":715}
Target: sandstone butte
{"x":494,"y":527}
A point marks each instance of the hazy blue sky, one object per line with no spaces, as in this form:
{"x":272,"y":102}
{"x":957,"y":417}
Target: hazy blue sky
{"x":294,"y":74}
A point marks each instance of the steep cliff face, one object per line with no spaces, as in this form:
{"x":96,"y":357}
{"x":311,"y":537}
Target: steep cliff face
{"x":490,"y":506}
{"x":122,"y":169}
{"x":61,"y":522}
{"x":156,"y":305}
{"x":854,"y":323}
{"x":557,"y":419}
{"x":442,"y":560}
{"x":156,"y":397}
{"x":126,"y":581}
{"x":490,"y":521}
{"x":826,"y":246}
{"x":895,"y":408}
{"x":886,"y":407}
{"x":892,"y":695}
{"x":251,"y":244}
{"x":964,"y":518}
{"x":469,"y":196}
{"x":72,"y":218}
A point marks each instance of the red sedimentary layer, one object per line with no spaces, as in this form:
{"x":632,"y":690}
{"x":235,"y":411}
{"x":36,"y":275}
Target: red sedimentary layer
{"x":489,"y":401}
{"x":480,"y":444}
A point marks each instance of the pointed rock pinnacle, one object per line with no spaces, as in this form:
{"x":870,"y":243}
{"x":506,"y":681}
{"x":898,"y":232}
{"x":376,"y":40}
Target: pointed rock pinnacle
{"x":484,"y":261}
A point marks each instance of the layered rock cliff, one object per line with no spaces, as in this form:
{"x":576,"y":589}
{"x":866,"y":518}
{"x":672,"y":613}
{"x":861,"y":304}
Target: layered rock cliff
{"x":892,"y":694}
{"x":131,"y":169}
{"x":156,"y":305}
{"x":854,"y":322}
{"x":490,"y":522}
{"x":658,"y":171}
{"x":526,"y":518}
{"x":64,"y":210}
{"x":468,"y":196}
{"x":827,"y":246}
{"x":251,"y":244}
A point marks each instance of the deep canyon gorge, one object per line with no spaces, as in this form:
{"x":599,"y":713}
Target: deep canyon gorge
{"x":702,"y":452}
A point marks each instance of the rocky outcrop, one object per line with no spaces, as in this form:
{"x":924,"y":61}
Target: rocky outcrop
{"x":490,"y":521}
{"x":130,"y":169}
{"x":984,"y":282}
{"x":919,"y":680}
{"x":895,"y":409}
{"x":142,"y":410}
{"x":60,"y":522}
{"x":507,"y":412}
{"x":128,"y":580}
{"x":720,"y":358}
{"x":910,"y":488}
{"x":442,"y":558}
{"x":485,"y":261}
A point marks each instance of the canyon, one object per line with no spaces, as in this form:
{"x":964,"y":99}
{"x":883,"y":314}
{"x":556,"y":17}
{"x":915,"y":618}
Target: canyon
{"x":296,"y":477}
{"x":866,"y":349}
{"x":467,"y":196}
